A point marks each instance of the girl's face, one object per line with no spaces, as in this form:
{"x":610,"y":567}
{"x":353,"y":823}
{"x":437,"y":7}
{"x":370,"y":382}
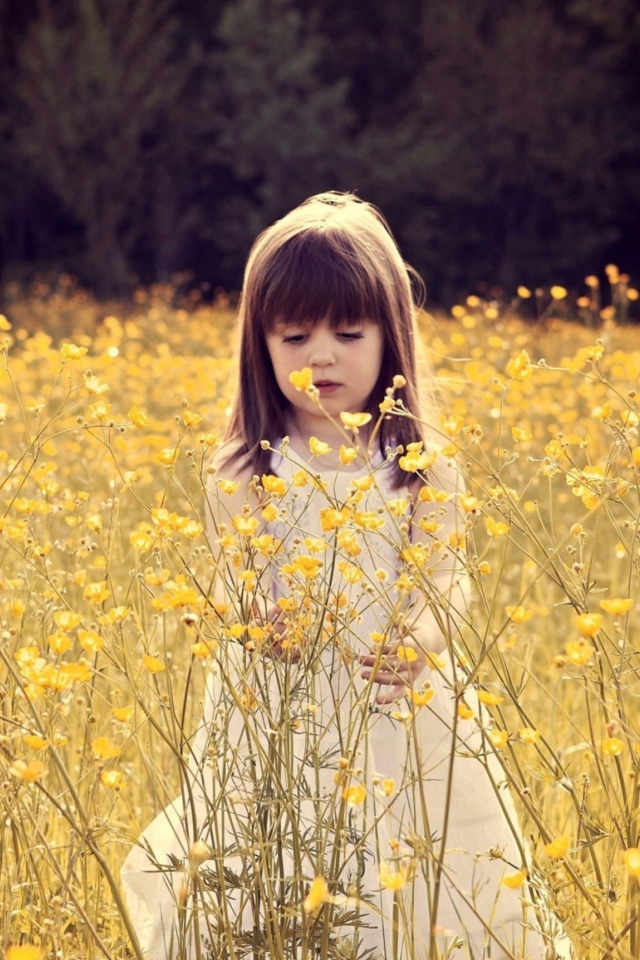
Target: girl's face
{"x":345,"y":362}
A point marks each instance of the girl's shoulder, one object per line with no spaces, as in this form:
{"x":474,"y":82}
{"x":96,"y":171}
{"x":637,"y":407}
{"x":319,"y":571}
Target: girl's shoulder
{"x":228,"y":462}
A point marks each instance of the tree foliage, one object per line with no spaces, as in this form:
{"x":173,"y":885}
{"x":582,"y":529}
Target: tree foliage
{"x":144,"y":137}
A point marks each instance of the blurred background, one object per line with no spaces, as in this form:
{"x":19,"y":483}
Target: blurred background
{"x":149,"y":140}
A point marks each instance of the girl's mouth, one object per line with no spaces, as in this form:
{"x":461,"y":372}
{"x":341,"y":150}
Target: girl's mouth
{"x":327,"y":386}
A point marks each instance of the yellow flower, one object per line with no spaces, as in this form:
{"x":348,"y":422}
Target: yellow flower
{"x":69,"y":351}
{"x":112,"y":779}
{"x":630,"y":418}
{"x":353,"y":421}
{"x":330,"y":518}
{"x":363,"y":483}
{"x":406,"y":654}
{"x":246,"y":526}
{"x":100,"y":409}
{"x":190,"y":418}
{"x":558,"y":848}
{"x":388,"y":786}
{"x":429,"y":494}
{"x":138,"y":417}
{"x":34,"y":742}
{"x":435,"y":662}
{"x":519,"y":614}
{"x":416,"y":460}
{"x":153,"y":664}
{"x":451,"y":425}
{"x":168,"y":455}
{"x":122,"y":714}
{"x":558,"y":293}
{"x":203,"y":649}
{"x":519,"y":367}
{"x":514,"y":880}
{"x":308,"y":567}
{"x":423,"y":697}
{"x":618,"y":606}
{"x":368,"y":520}
{"x":347,"y":542}
{"x":393,"y":879}
{"x":398,"y":506}
{"x":612,"y":747}
{"x":465,"y":712}
{"x":104,"y":749}
{"x":318,"y":894}
{"x":489,"y":699}
{"x":355,"y":795}
{"x":265,"y":544}
{"x":350,"y":572}
{"x":27,"y":771}
{"x":94,"y":386}
{"x":59,"y":642}
{"x":67,"y":619}
{"x":499,"y":738}
{"x":588,"y":623}
{"x":579,"y":652}
{"x":529,"y":734}
{"x":496,"y":528}
{"x":273,"y":484}
{"x":521,"y":434}
{"x":301,"y":379}
{"x":229,"y":486}
{"x":469,"y":503}
{"x":96,"y":592}
{"x":24,"y":951}
{"x":270,"y":513}
{"x":318,"y":447}
{"x":247,"y":578}
{"x":347,"y":454}
{"x":632,"y":862}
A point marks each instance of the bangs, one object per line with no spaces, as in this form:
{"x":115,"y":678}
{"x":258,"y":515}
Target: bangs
{"x":317,"y":275}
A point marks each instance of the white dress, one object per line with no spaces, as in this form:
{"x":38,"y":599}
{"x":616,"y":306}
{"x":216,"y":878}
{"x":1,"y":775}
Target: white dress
{"x":295,"y":773}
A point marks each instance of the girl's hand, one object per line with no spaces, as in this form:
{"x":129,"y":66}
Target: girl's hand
{"x":398,"y":669}
{"x":275,"y":617}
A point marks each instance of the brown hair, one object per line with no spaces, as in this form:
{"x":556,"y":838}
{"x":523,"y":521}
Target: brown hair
{"x":332,"y":257}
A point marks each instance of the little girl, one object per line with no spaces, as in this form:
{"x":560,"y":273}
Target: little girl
{"x":343,"y":799}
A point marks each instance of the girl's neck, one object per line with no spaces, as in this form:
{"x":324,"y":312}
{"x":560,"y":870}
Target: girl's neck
{"x":324,"y":430}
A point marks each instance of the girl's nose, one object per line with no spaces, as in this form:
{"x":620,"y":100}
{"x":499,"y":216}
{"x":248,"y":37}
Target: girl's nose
{"x":321,"y":355}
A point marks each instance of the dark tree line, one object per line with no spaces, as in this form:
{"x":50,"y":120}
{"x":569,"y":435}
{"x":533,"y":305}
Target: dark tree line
{"x":143,"y":137}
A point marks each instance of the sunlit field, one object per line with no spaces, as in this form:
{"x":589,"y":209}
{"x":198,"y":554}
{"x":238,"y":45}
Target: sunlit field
{"x":109,"y":623}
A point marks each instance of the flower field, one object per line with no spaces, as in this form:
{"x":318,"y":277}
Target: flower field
{"x":109,"y":624}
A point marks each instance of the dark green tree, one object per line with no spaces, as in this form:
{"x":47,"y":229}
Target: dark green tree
{"x":280,"y":133}
{"x":507,"y":145}
{"x":96,"y":79}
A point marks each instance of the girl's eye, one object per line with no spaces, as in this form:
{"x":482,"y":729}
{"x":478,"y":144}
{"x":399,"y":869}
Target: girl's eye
{"x":351,"y":336}
{"x":296,"y":338}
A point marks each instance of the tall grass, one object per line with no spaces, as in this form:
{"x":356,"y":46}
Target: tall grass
{"x":110,"y":626}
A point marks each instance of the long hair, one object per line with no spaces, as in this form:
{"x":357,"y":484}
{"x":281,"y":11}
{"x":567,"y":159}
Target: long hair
{"x":333,"y":258}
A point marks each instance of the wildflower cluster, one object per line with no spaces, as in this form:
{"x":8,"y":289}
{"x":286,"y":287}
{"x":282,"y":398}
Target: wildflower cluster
{"x":112,"y":619}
